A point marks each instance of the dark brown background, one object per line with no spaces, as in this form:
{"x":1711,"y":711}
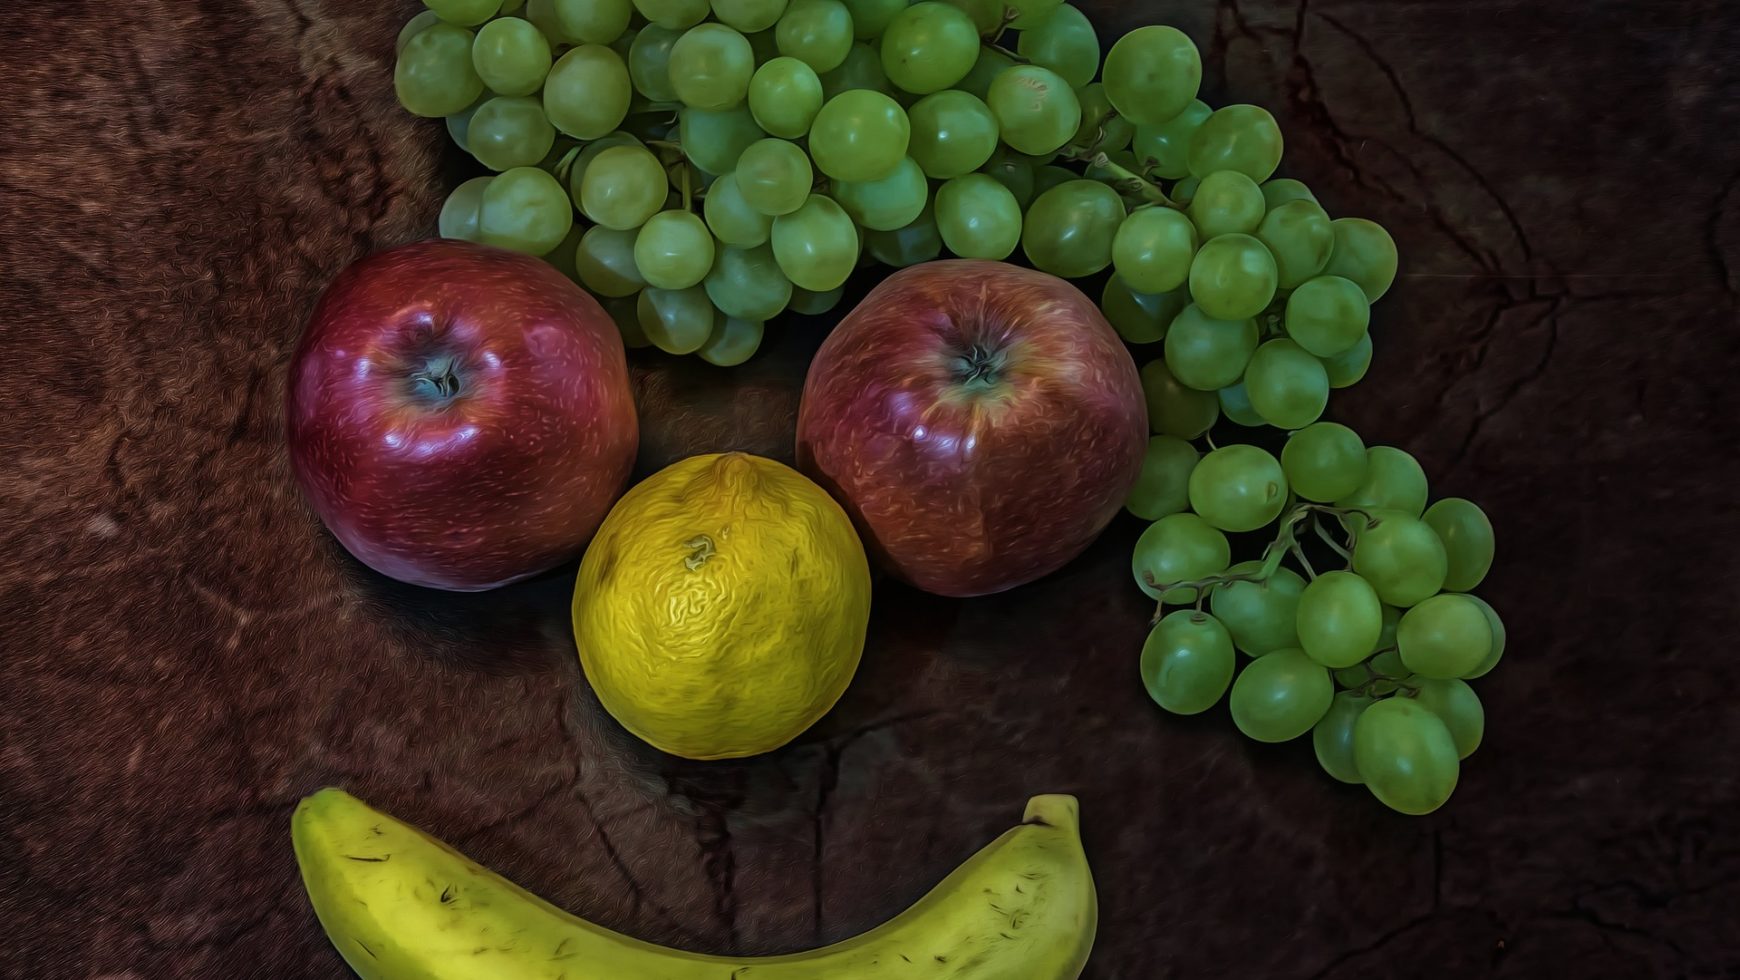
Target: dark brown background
{"x":186,"y":653}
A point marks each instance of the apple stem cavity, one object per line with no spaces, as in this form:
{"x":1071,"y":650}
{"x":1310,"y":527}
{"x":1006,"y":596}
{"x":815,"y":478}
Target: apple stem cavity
{"x":438,"y":381}
{"x":980,"y":367}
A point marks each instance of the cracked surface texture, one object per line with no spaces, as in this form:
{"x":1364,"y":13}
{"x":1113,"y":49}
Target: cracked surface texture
{"x":183,"y":653}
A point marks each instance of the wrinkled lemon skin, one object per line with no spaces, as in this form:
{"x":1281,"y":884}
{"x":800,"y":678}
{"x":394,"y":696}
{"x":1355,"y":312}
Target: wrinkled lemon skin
{"x":721,"y":608}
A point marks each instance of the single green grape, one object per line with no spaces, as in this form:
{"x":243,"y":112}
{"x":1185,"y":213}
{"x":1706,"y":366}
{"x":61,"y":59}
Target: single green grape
{"x":1140,"y":318}
{"x":784,"y":96}
{"x":1393,"y":480}
{"x":1187,"y":662}
{"x":815,"y":304}
{"x":511,"y":56}
{"x":422,"y":19}
{"x":589,"y":152}
{"x":1162,"y":487}
{"x":677,"y":321}
{"x":1174,"y":409}
{"x":1261,"y":616}
{"x":1279,"y":696}
{"x":1184,"y":191}
{"x":524,"y":209}
{"x":918,"y":242}
{"x":1064,"y":42}
{"x":509,"y":131}
{"x":977,"y":217}
{"x":1332,"y":737}
{"x":674,"y":250}
{"x":714,"y":141}
{"x":593,"y":21}
{"x":1164,"y":148}
{"x":1467,"y":536}
{"x":1208,"y":354}
{"x":1101,"y":126}
{"x":1327,"y":315}
{"x":1152,"y":74}
{"x":711,"y":66}
{"x":459,"y":212}
{"x":749,"y":16}
{"x":1232,"y":277}
{"x":1497,"y":626}
{"x":1365,"y":253}
{"x":1281,"y":190}
{"x":1047,"y":177}
{"x":774,"y":176}
{"x":929,"y":47}
{"x":1443,"y":636}
{"x":1347,"y":367}
{"x":1340,"y":619}
{"x":1235,"y":404}
{"x":1178,"y":548}
{"x":434,"y":75}
{"x":1030,"y":13}
{"x":623,"y":187}
{"x":816,"y":245}
{"x":859,"y":135}
{"x":986,"y":15}
{"x":816,"y":32}
{"x":986,"y":68}
{"x":1387,"y":638}
{"x":1153,"y":249}
{"x":1298,"y":234}
{"x":465,"y":13}
{"x":1406,"y":755}
{"x":1458,"y":707}
{"x":1324,"y":461}
{"x":604,"y":261}
{"x":674,"y":15}
{"x":871,"y":17}
{"x":1238,"y":487}
{"x":649,"y":62}
{"x":625,"y":310}
{"x":953,"y":134}
{"x":746,"y":283}
{"x":889,"y":203}
{"x":1402,"y":558}
{"x":1036,"y":110}
{"x":1014,"y":171}
{"x":1226,"y":203}
{"x":542,"y":14}
{"x":1069,"y":229}
{"x":862,"y":69}
{"x":1287,"y":386}
{"x":459,"y":124}
{"x":1237,"y":137}
{"x":731,"y":218}
{"x":587,"y":92}
{"x":733,"y":342}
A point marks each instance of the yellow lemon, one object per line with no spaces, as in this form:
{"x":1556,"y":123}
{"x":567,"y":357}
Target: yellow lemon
{"x":721,"y":609}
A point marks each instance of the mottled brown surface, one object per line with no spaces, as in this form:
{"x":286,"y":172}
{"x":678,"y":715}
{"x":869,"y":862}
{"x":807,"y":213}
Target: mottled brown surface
{"x":185,"y":653}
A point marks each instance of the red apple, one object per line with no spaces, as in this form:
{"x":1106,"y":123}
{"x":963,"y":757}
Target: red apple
{"x":981,"y":422}
{"x":459,"y":415}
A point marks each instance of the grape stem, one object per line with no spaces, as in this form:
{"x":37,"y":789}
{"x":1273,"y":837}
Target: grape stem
{"x":1323,"y":532}
{"x":1005,"y":52}
{"x":688,"y":201}
{"x":1010,"y":16}
{"x":1125,"y":179}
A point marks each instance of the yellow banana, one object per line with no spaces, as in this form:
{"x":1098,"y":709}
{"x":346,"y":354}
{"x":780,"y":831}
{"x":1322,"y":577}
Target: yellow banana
{"x":401,"y":905}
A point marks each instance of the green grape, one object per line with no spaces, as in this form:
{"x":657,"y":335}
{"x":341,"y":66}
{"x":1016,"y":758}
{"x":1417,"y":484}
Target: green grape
{"x":1365,"y":253}
{"x":733,"y":342}
{"x":918,"y":242}
{"x":1287,"y":386}
{"x":587,"y":92}
{"x":562,"y":256}
{"x":605,"y":262}
{"x":1208,"y":354}
{"x":989,"y":65}
{"x":1065,"y":43}
{"x":1406,"y":754}
{"x":1140,"y":318}
{"x":459,"y":213}
{"x":816,"y":245}
{"x":862,"y":69}
{"x":465,"y":13}
{"x":687,"y":178}
{"x":1347,"y":367}
{"x":649,"y":62}
{"x":542,"y":14}
{"x":892,"y":202}
{"x":1237,"y":137}
{"x":420,"y":20}
{"x":459,"y":124}
{"x":1036,"y":110}
{"x":677,"y":321}
{"x":1443,"y":636}
{"x":1260,"y":615}
{"x":1387,"y":638}
{"x":593,"y":21}
{"x":511,"y":56}
{"x":731,"y":218}
{"x":1030,"y":13}
{"x":589,"y":152}
{"x":1298,"y":234}
{"x":434,"y":75}
{"x":711,"y":66}
{"x":1327,"y":315}
{"x":1467,"y":536}
{"x":1393,"y":481}
{"x":1174,"y":409}
{"x":1324,"y":461}
{"x":1332,"y":737}
{"x":1164,"y":147}
{"x":1232,"y":277}
{"x":1152,"y":74}
{"x":987,"y":15}
{"x":674,"y":250}
{"x":1013,"y":171}
{"x":859,"y":135}
{"x":509,"y":131}
{"x":774,"y":176}
{"x":1235,"y":404}
{"x":1162,"y":487}
{"x":1238,"y":487}
{"x":1458,"y":707}
{"x":1402,"y":558}
{"x":1184,"y":191}
{"x":524,"y":209}
{"x":815,"y":32}
{"x":977,"y":217}
{"x":1178,"y":548}
{"x":1281,"y":190}
{"x":1187,"y":662}
{"x":1153,"y":249}
{"x":815,"y":304}
{"x":1069,"y":229}
{"x":953,"y":134}
{"x":713,"y":141}
{"x":746,"y":283}
{"x":871,"y":17}
{"x":1497,"y":651}
{"x":749,"y":16}
{"x":1279,"y":696}
{"x":623,"y":187}
{"x":674,"y":15}
{"x":929,"y":47}
{"x":625,"y":310}
{"x":784,"y":97}
{"x":1101,"y":126}
{"x":1340,"y":619}
{"x":1047,"y":177}
{"x":1226,"y":203}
